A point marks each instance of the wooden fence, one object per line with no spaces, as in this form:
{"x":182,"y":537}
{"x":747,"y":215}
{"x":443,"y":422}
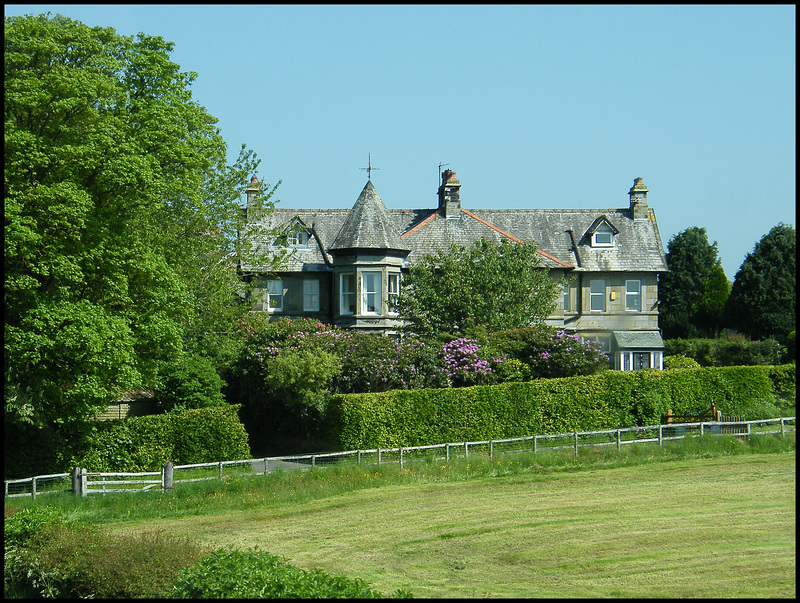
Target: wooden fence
{"x":82,"y":482}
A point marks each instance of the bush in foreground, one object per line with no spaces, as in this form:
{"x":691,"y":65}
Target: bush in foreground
{"x":47,"y":556}
{"x":254,"y":574}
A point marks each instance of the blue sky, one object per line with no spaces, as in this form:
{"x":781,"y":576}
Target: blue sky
{"x":531,"y":106}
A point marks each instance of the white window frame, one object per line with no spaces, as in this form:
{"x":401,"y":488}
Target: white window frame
{"x":347,"y":296}
{"x":311,"y":295}
{"x":371,"y":292}
{"x":603,"y":236}
{"x":566,"y":298}
{"x":597,"y":295}
{"x":298,"y":237}
{"x":393,"y":288}
{"x":273,"y":296}
{"x":633,"y":295}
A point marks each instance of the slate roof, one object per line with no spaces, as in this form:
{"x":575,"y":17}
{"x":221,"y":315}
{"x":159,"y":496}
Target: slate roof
{"x":562,"y":236}
{"x":368,"y":226}
{"x":638,"y":339}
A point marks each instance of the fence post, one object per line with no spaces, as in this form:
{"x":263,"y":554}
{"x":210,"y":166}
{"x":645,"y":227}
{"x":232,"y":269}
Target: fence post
{"x":359,"y":457}
{"x":576,"y":443}
{"x":266,"y":465}
{"x":619,"y":440}
{"x":168,"y":476}
{"x":84,"y":484}
{"x":466,"y":451}
{"x":33,"y":488}
{"x":701,"y":428}
{"x":220,"y":470}
{"x":491,"y":449}
{"x":534,"y":444}
{"x":313,"y":460}
{"x":401,"y":457}
{"x":783,"y":435}
{"x":447,"y":451}
{"x":660,"y":437}
{"x":76,"y":487}
{"x":379,"y":456}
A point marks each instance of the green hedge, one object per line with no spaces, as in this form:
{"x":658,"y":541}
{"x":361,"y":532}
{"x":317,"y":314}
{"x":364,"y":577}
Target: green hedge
{"x":606,"y":400}
{"x":200,"y":435}
{"x":727,"y":352}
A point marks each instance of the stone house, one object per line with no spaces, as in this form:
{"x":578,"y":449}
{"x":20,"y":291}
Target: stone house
{"x":347,"y":264}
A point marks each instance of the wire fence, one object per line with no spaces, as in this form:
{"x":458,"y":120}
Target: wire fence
{"x":82,"y":482}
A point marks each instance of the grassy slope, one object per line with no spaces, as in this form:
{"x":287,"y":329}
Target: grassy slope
{"x":720,"y":527}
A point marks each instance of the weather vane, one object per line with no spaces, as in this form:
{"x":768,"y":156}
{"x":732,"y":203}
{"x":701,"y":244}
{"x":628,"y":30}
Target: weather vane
{"x":369,"y":167}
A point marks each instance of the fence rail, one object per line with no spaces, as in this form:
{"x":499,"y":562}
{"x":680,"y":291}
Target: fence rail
{"x":82,"y":482}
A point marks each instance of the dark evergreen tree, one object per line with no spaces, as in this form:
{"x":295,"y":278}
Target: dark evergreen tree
{"x":693,"y":293}
{"x":763,"y":297}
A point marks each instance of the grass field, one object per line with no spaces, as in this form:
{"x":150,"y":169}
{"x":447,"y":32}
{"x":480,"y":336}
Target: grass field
{"x":704,"y":527}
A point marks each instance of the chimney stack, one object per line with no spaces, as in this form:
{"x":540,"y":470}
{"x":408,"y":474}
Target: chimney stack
{"x":638,"y":197}
{"x":449,"y":200}
{"x":252,"y":190}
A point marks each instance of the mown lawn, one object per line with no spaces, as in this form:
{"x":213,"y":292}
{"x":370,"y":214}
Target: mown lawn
{"x":709,"y":527}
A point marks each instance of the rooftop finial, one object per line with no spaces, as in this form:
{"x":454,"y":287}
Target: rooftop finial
{"x":369,"y":167}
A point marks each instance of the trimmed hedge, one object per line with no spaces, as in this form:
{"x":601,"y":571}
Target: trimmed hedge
{"x":605,"y":400}
{"x":201,"y":435}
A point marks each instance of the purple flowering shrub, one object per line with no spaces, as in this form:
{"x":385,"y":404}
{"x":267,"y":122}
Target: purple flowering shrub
{"x":467,"y":362}
{"x":368,"y":363}
{"x":546,"y":352}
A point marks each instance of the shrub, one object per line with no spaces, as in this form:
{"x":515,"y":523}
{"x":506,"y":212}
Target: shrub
{"x":466,"y":362}
{"x":254,"y":574}
{"x":732,"y":350}
{"x":549,"y":353}
{"x":680,"y":362}
{"x":190,"y":383}
{"x":81,"y":561}
{"x":146,"y":443}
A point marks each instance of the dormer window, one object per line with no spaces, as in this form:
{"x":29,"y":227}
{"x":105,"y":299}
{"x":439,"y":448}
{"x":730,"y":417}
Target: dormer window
{"x":603,"y":236}
{"x":294,"y":236}
{"x":298,"y":237}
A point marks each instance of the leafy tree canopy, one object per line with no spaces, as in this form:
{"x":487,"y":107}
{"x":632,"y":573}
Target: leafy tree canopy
{"x":693,"y":293}
{"x":121,"y":215}
{"x":487,"y":285}
{"x":763,"y":298}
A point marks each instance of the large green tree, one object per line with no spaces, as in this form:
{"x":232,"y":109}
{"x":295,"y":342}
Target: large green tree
{"x":693,"y":293}
{"x":763,"y":298}
{"x":121,"y":215}
{"x":486,"y":285}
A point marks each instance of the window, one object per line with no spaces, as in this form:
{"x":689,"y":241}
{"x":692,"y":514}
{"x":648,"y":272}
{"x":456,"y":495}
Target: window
{"x":394,"y":291}
{"x":274,"y":296}
{"x":298,"y":237}
{"x":633,"y":296}
{"x":597,"y":295}
{"x":603,"y":236}
{"x":311,"y":295}
{"x":566,"y":297}
{"x":370,"y":292}
{"x":347,"y":288}
{"x":641,"y":360}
